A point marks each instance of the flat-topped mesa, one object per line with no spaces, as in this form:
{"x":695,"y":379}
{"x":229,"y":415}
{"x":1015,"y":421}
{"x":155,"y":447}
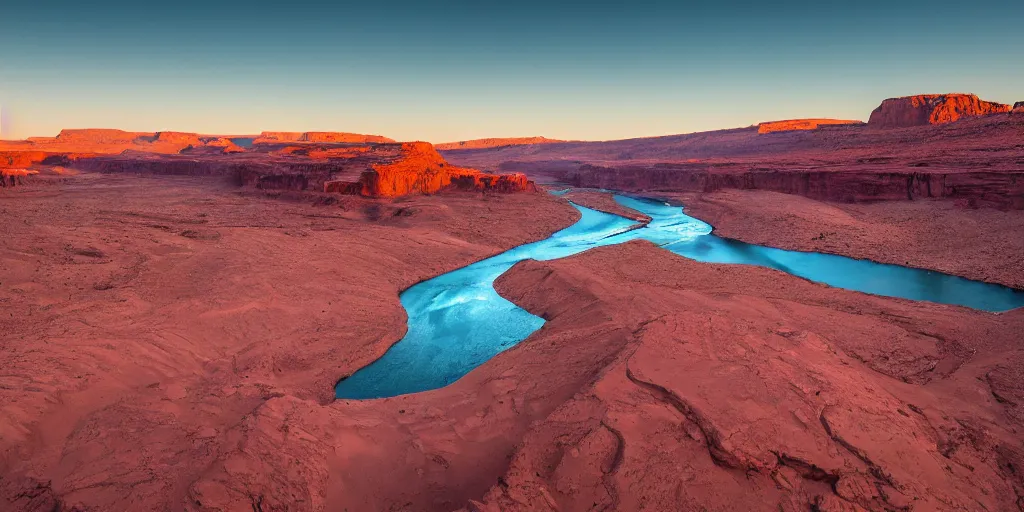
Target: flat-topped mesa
{"x":803,"y":124}
{"x":322,"y":137}
{"x":100,"y":136}
{"x":420,"y":169}
{"x":344,"y":137}
{"x":925,"y":109}
{"x":495,"y":143}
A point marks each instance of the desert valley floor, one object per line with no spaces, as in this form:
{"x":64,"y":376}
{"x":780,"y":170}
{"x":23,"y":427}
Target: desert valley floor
{"x":176,"y":313}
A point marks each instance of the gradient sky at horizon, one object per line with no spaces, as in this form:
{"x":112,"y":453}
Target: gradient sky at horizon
{"x":448,"y":71}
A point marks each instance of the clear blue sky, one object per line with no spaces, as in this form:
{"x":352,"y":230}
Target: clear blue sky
{"x":447,"y":71}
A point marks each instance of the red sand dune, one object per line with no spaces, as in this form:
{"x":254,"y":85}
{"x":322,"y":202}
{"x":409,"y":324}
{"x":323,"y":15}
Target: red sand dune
{"x":801,"y":124}
{"x":494,"y":142}
{"x":925,"y":109}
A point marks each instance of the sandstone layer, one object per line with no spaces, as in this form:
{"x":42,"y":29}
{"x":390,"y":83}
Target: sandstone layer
{"x":167,"y":348}
{"x":976,"y":160}
{"x":925,"y":109}
{"x":319,"y":137}
{"x":802,"y":124}
{"x":146,"y":319}
{"x":495,"y":143}
{"x":367,"y":165}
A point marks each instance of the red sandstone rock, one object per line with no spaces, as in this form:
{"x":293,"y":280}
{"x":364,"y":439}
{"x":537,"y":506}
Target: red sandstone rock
{"x":494,"y":142}
{"x":1018,"y":108}
{"x":335,"y":137}
{"x":13,"y":177}
{"x":931,"y":109}
{"x":801,"y":124}
{"x":100,"y":136}
{"x":977,"y":160}
{"x":421,"y":169}
{"x":371,"y":169}
{"x":343,"y":137}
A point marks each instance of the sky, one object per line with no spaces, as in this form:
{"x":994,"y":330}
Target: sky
{"x":447,"y":71}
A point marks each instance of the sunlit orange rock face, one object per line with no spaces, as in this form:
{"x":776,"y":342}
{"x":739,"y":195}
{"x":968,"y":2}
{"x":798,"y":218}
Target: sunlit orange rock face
{"x":13,"y":177}
{"x":495,"y":143}
{"x":313,"y":161}
{"x":1018,"y":108}
{"x":927,"y":109}
{"x":420,"y":169}
{"x":801,"y":124}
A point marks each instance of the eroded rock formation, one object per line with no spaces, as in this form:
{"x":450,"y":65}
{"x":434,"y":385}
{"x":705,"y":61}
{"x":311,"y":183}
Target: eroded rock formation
{"x":994,"y":189}
{"x":273,"y":137}
{"x":420,"y":169}
{"x":926,"y":109}
{"x":801,"y":124}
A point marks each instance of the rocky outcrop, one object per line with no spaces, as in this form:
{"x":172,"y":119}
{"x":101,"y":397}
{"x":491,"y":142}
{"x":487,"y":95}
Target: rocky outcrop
{"x":321,"y":137}
{"x":343,"y":137}
{"x":14,"y":177}
{"x":371,"y":170}
{"x":926,"y":109}
{"x":420,"y":169}
{"x":495,"y":143}
{"x":979,"y":188}
{"x":1018,"y":108}
{"x":801,"y":124}
{"x":99,"y":135}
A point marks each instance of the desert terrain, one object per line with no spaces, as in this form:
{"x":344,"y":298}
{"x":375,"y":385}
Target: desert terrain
{"x":177,"y":309}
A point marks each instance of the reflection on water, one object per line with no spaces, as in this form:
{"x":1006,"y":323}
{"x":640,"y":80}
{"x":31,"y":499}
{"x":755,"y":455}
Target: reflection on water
{"x":457,"y":321}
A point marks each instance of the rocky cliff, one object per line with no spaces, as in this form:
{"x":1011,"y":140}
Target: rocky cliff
{"x":926,"y":109}
{"x":372,"y":170}
{"x":1018,"y":108}
{"x":420,"y":169}
{"x":801,"y":124}
{"x":979,"y":188}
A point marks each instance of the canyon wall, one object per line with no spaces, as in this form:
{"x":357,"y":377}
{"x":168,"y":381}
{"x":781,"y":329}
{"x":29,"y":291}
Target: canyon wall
{"x":927,"y":109}
{"x":385,"y":170}
{"x":994,"y":189}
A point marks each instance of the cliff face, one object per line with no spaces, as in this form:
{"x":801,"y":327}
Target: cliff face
{"x":1018,"y":108}
{"x":373,"y":170}
{"x":14,"y":177}
{"x":927,"y":109}
{"x":996,"y":189}
{"x":801,"y":124}
{"x":495,"y":143}
{"x":420,"y":169}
